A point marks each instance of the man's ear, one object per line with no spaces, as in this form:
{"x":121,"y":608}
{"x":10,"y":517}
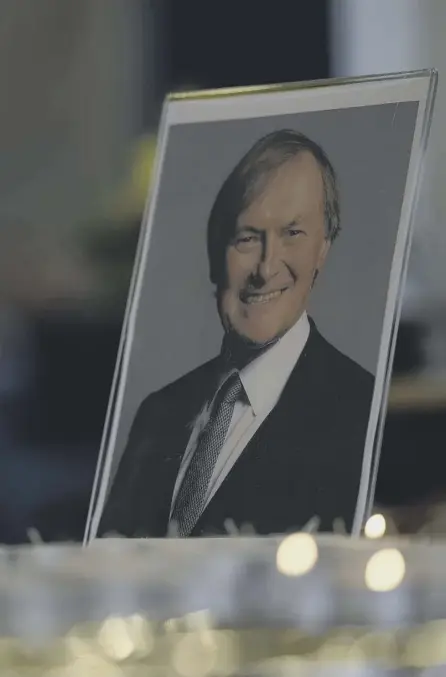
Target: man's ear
{"x":325,"y":248}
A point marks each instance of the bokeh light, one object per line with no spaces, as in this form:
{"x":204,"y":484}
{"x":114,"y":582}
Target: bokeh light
{"x":385,"y":570}
{"x":297,"y":554}
{"x":375,"y":526}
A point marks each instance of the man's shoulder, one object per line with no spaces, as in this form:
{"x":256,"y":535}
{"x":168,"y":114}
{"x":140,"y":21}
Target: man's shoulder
{"x":186,"y":386}
{"x":338,"y":369}
{"x":344,"y":364}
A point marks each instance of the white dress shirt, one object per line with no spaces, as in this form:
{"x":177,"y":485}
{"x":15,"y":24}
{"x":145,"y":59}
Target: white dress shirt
{"x":263,"y":381}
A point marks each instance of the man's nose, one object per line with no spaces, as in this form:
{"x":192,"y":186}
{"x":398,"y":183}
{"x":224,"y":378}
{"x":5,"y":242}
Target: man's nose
{"x":269,"y":258}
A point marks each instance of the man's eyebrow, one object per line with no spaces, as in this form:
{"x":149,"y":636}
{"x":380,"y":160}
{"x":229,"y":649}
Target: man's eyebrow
{"x":248,"y":229}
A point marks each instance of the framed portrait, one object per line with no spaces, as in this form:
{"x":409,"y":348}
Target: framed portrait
{"x":252,"y":377}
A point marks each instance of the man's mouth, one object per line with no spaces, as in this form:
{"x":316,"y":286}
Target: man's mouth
{"x":255,"y":298}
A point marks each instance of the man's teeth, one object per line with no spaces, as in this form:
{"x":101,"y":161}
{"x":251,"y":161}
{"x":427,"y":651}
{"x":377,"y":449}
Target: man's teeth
{"x":263,"y":298}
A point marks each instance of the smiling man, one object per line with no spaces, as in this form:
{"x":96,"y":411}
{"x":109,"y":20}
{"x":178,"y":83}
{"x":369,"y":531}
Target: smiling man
{"x":271,"y":432}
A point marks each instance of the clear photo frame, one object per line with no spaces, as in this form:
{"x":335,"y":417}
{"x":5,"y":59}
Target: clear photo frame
{"x":273,"y":250}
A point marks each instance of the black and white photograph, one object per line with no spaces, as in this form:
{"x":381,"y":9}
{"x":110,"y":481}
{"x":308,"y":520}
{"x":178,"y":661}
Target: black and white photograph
{"x":255,"y":355}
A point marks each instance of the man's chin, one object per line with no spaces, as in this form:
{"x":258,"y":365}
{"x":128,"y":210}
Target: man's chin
{"x":241,"y":347}
{"x":257,"y":339}
{"x":251,"y":334}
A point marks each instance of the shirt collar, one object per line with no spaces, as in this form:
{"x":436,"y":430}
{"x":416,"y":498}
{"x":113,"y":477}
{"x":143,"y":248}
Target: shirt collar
{"x":264,"y":379}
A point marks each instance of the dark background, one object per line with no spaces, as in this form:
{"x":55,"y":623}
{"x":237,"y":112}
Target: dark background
{"x":222,"y":44}
{"x":58,"y":334}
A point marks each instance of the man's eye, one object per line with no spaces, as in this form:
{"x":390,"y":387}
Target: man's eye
{"x":246,"y":241}
{"x":293,"y":232}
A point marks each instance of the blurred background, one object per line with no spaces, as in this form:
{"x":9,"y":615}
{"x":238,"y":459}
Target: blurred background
{"x":82,"y":85}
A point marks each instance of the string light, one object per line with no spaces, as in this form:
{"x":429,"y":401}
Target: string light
{"x":385,"y":570}
{"x":375,"y":526}
{"x":115,"y":639}
{"x":297,"y":554}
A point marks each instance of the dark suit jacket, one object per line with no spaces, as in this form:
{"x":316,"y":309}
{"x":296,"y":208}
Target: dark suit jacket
{"x":304,"y":460}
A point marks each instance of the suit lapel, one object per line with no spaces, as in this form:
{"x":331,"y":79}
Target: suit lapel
{"x":171,"y":428}
{"x":280,"y":442}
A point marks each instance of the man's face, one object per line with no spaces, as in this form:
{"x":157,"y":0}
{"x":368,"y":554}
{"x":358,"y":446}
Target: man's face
{"x":279,"y":244}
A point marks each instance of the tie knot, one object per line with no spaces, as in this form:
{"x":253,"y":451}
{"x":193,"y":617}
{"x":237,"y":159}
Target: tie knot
{"x":231,"y":389}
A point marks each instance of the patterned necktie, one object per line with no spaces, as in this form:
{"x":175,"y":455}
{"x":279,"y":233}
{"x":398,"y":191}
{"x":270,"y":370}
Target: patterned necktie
{"x":192,"y":492}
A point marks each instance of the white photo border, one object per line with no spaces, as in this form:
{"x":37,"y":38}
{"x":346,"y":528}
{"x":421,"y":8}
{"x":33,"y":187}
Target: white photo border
{"x":259,"y":102}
